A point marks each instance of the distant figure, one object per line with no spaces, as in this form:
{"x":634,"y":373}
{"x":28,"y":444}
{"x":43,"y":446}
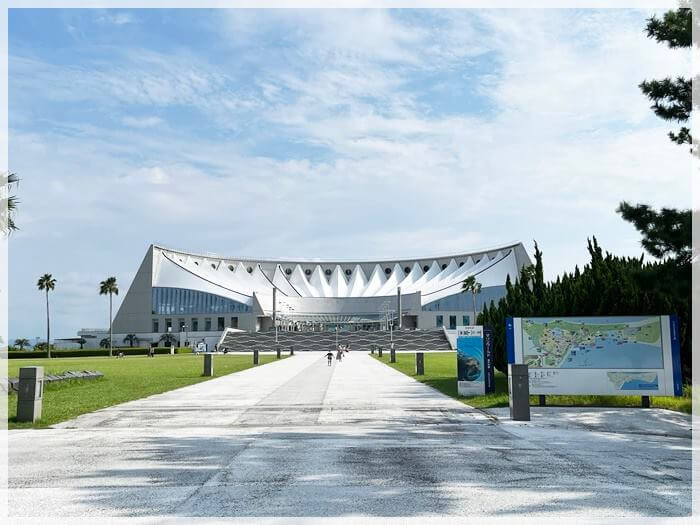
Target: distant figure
{"x":120,"y":355}
{"x":225,"y":351}
{"x":329,"y":355}
{"x":151,"y":352}
{"x":339,"y":355}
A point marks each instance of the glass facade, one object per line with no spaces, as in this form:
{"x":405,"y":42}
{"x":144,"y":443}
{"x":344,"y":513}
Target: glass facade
{"x":155,"y":325}
{"x":195,"y":324}
{"x":183,"y":301}
{"x":462,"y":302}
{"x":207,"y":324}
{"x":234,"y":322}
{"x":220,"y":323}
{"x":439,"y":322}
{"x":465,"y":320}
{"x":453,"y":322}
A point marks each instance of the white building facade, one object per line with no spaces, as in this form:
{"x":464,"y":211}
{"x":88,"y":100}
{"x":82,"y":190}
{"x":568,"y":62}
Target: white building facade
{"x":195,"y":297}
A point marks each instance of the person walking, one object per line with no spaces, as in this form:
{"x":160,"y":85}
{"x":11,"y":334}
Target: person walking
{"x":339,"y":355}
{"x":329,"y":355}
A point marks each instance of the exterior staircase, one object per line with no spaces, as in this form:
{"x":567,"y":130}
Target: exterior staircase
{"x":361,"y":340}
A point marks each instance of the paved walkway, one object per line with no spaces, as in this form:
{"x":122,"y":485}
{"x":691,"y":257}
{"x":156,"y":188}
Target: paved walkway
{"x":299,"y":438}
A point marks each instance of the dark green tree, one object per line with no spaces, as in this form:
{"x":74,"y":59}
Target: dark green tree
{"x":607,"y":285}
{"x":672,"y":99}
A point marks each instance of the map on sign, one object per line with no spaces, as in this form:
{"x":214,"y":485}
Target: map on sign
{"x":593,"y":342}
{"x":634,"y":380}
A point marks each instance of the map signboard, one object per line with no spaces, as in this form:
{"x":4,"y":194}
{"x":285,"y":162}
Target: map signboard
{"x":598,"y":355}
{"x":474,"y":360}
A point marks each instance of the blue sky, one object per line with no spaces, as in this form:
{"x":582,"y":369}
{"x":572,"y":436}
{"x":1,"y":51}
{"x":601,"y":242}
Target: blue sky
{"x":323,"y":133}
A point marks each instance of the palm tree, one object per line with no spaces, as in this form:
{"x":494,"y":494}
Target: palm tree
{"x":8,"y":202}
{"x":81,"y":342}
{"x":109,"y":287}
{"x":132,"y":339}
{"x":22,"y":342}
{"x":167,"y":339}
{"x":48,"y":283}
{"x":105,"y":343}
{"x":470,"y":284}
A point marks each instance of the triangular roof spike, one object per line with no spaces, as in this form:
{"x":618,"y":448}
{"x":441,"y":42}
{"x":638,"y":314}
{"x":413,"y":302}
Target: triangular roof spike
{"x":301,"y":283}
{"x":358,"y":282}
{"x":318,"y":281}
{"x":407,"y":285}
{"x":392,"y":282}
{"x":440,"y":278}
{"x":429,"y":275}
{"x":375,"y":282}
{"x":260,"y":280}
{"x":280,"y":280}
{"x":339,"y":285}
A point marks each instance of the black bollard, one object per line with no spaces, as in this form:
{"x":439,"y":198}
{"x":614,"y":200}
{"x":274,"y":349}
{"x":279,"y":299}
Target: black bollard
{"x":420,"y":364}
{"x":256,"y":357}
{"x":279,"y":353}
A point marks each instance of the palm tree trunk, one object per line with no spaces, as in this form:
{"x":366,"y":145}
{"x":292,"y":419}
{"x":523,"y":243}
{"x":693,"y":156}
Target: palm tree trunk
{"x":110,"y":324}
{"x":474,"y":307}
{"x":48,"y":326}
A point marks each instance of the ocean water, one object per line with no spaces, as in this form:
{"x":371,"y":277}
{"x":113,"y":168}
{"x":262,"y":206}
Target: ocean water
{"x":614,"y":355}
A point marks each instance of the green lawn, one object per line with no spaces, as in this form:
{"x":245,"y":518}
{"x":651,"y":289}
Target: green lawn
{"x":126,"y":379}
{"x":441,"y":374}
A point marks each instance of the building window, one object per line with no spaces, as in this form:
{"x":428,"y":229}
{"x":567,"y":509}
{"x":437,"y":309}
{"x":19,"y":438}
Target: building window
{"x":288,"y":271}
{"x":195,"y":324}
{"x":207,"y":324}
{"x":453,"y":322}
{"x":155,"y":326}
{"x":168,"y":325}
{"x":465,"y":320}
{"x":348,"y":272}
{"x":438,"y":321}
{"x":328,"y":271}
{"x":234,"y":322}
{"x":168,"y":301}
{"x":426,"y":268}
{"x":181,"y":325}
{"x":387,"y":271}
{"x":406,"y":270}
{"x":219,"y":323}
{"x":307,"y":272}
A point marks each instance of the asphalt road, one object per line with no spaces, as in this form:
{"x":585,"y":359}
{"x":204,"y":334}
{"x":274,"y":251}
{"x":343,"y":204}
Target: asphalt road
{"x":299,"y":438}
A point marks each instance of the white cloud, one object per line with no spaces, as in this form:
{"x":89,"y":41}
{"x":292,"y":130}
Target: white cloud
{"x":567,"y":136}
{"x":142,"y":122}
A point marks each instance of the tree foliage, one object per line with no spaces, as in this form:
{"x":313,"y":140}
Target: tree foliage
{"x":672,"y":99}
{"x":665,"y":234}
{"x":607,"y":285}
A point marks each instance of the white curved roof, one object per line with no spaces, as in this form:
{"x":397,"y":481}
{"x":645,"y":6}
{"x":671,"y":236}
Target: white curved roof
{"x":241,"y":278}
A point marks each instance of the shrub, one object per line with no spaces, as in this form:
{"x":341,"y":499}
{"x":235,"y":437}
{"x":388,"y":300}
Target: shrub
{"x":27,"y":355}
{"x":90,"y":352}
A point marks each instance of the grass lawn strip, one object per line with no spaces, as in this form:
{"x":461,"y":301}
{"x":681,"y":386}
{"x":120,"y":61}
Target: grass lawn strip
{"x":441,"y":374}
{"x":127,"y":379}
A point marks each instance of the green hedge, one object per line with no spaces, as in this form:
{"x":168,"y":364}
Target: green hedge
{"x":26,"y":355}
{"x":95,"y":352}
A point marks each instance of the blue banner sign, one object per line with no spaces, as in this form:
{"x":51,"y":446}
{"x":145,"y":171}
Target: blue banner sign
{"x":474,"y":361}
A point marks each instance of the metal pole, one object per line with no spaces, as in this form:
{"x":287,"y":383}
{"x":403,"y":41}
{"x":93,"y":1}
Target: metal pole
{"x":398,"y":291}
